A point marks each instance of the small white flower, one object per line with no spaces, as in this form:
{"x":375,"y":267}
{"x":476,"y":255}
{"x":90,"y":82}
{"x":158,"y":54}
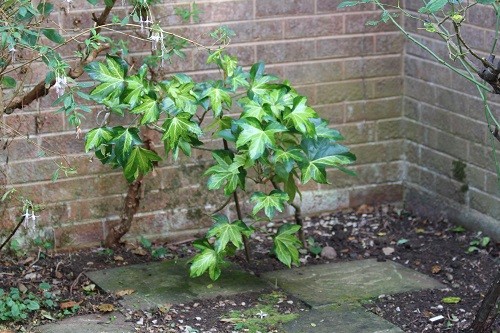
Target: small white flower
{"x":30,"y":220}
{"x":262,"y":314}
{"x":145,"y":23}
{"x":27,"y":215}
{"x":60,"y":85}
{"x":12,"y":51}
{"x":156,"y":36}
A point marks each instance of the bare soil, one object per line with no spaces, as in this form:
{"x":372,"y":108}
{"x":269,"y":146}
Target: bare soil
{"x":436,"y":248}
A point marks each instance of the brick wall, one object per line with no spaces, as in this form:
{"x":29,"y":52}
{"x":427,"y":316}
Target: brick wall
{"x":446,"y":130}
{"x":351,"y":74}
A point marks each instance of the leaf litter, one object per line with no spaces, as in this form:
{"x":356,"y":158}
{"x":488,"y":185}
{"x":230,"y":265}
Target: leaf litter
{"x":433,"y":247}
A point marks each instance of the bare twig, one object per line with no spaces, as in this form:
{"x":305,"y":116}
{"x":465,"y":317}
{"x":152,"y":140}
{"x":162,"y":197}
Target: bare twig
{"x":12,"y":233}
{"x":73,"y":285}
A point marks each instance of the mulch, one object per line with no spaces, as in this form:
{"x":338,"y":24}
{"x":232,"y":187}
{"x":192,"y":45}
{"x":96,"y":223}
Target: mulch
{"x":433,"y":247}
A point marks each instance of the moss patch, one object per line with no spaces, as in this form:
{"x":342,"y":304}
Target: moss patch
{"x":458,"y":170}
{"x":262,"y":317}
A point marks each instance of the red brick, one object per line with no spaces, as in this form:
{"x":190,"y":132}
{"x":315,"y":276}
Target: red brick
{"x":79,"y":235}
{"x":265,"y":8}
{"x":314,"y":26}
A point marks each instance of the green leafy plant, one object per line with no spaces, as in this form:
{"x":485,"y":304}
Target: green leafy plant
{"x":157,"y":252}
{"x":313,"y":246}
{"x":277,"y":137}
{"x":270,"y":140}
{"x":478,"y":243}
{"x":16,"y":305}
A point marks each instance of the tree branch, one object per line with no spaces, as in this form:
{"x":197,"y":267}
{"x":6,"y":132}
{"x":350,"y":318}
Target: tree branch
{"x":42,"y":89}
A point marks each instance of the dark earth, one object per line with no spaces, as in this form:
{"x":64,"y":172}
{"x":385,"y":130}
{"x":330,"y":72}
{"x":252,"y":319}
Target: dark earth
{"x":464,"y":261}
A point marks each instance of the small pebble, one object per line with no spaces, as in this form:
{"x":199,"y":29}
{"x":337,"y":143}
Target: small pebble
{"x":328,"y":252}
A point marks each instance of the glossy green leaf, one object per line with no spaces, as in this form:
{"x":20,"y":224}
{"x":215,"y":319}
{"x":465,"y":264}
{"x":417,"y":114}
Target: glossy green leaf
{"x":256,"y":138}
{"x":96,"y":137}
{"x":226,"y":232}
{"x":218,"y":96}
{"x":260,"y":86}
{"x":286,"y":244}
{"x":124,"y":141}
{"x":139,"y":163}
{"x":113,"y":71}
{"x":433,"y":6}
{"x":135,"y":88}
{"x":251,"y":109}
{"x":178,"y":128}
{"x":238,"y":79}
{"x":53,"y":35}
{"x":206,"y":260}
{"x":225,"y":174}
{"x":322,"y":153}
{"x":8,"y":82}
{"x":149,"y":110}
{"x":271,"y":202}
{"x":45,"y":8}
{"x":300,"y":116}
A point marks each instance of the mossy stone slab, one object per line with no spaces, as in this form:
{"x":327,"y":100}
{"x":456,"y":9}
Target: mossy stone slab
{"x":342,"y":319}
{"x":349,"y":282}
{"x":168,"y":282}
{"x":110,"y":323}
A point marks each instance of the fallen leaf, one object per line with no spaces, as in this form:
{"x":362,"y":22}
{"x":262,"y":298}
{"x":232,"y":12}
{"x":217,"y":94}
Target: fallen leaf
{"x":58,"y":275}
{"x":419,"y":230}
{"x":89,"y":288}
{"x":47,"y":315}
{"x":118,"y":258}
{"x":121,"y":293}
{"x":365,"y":209}
{"x":451,"y":300}
{"x":139,"y":251}
{"x":427,"y":313}
{"x":105,"y":307}
{"x":27,"y":260}
{"x":435,"y":269}
{"x":164,"y":308}
{"x":388,"y":250}
{"x":69,"y":304}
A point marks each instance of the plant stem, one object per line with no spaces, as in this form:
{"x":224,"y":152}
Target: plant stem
{"x":12,"y":233}
{"x":297,"y":215}
{"x":238,"y":212}
{"x":433,"y":54}
{"x":240,"y":217}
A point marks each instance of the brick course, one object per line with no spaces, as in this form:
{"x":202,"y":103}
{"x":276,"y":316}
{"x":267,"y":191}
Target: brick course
{"x":406,"y":117}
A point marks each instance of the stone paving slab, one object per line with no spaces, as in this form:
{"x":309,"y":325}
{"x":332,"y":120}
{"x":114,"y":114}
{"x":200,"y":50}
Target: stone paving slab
{"x":111,"y":323}
{"x":344,"y":319}
{"x":349,"y":282}
{"x":169,"y":282}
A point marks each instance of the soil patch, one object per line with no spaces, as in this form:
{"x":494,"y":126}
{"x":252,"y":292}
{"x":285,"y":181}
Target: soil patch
{"x":462,"y":260}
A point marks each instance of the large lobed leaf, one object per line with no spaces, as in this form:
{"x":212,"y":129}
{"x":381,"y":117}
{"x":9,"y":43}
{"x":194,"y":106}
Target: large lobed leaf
{"x":139,"y":163}
{"x":271,"y":202}
{"x":226,"y":232}
{"x":286,"y":244}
